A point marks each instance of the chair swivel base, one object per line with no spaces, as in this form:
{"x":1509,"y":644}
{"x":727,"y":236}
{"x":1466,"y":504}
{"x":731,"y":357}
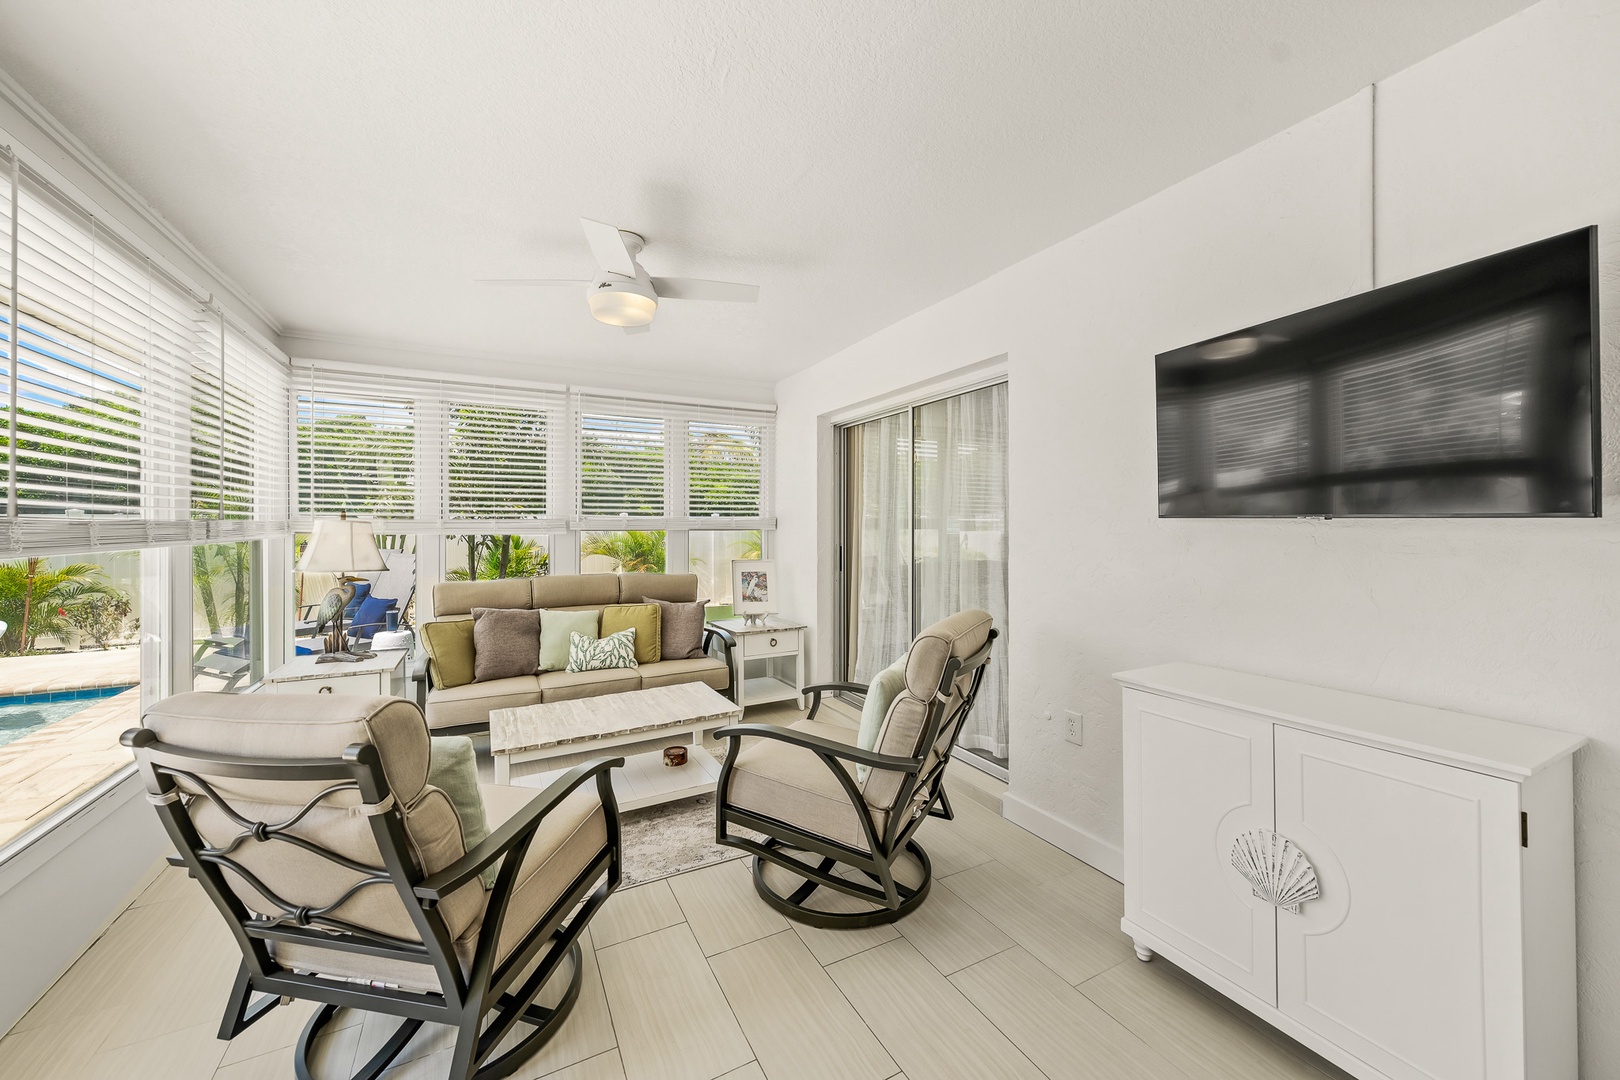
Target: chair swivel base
{"x":544,"y":1021}
{"x":867,"y":912}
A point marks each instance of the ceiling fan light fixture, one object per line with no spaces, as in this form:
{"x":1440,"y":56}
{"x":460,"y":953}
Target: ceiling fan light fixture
{"x":620,"y":301}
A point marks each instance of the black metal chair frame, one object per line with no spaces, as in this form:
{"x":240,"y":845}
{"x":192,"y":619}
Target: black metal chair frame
{"x":892,"y":898}
{"x":466,"y":999}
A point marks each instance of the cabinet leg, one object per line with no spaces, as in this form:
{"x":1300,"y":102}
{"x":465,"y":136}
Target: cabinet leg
{"x":1143,"y":953}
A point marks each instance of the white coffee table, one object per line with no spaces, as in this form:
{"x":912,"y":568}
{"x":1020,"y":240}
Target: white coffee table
{"x":556,"y":729}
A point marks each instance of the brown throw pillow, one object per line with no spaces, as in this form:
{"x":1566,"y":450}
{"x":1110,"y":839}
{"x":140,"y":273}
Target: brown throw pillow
{"x":506,"y":643}
{"x":682,"y":629}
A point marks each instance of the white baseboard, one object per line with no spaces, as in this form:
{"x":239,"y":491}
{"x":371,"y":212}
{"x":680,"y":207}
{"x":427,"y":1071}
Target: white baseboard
{"x":1077,"y":842}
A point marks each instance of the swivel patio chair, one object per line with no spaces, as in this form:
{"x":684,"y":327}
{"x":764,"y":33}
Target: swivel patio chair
{"x":345,"y":878}
{"x":837,"y":817}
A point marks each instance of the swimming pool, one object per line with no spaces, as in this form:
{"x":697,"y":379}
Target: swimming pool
{"x":23,"y":713}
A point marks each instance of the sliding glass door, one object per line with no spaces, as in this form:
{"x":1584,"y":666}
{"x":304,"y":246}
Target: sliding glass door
{"x":925,"y":535}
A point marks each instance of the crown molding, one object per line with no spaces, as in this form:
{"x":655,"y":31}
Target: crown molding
{"x":70,"y":146}
{"x":305,"y":346}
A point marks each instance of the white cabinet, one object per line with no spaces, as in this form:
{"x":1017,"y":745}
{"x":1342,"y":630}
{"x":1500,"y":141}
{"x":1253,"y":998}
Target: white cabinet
{"x":1433,"y":851}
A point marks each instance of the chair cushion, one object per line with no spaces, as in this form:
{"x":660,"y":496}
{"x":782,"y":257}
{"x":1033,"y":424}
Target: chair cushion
{"x":449,"y":644}
{"x":794,"y":786}
{"x":572,"y":685}
{"x":470,"y":704}
{"x":368,"y":619}
{"x":617,"y":650}
{"x":362,"y":590}
{"x":670,"y":672}
{"x":880,"y":695}
{"x":681,"y":629}
{"x":453,"y":769}
{"x":568,"y":839}
{"x":506,"y":643}
{"x":557,"y":630}
{"x":644,"y":620}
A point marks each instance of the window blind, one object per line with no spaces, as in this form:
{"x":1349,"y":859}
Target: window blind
{"x":108,"y":369}
{"x":725,"y":469}
{"x":622,"y":456}
{"x":356,"y":451}
{"x":498,"y":461}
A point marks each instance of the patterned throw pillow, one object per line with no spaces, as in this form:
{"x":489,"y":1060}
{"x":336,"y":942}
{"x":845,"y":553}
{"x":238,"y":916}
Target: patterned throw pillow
{"x":614,"y":651}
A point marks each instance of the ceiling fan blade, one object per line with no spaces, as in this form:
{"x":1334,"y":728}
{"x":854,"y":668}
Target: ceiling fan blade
{"x":642,"y":329}
{"x":608,"y":247}
{"x":527,"y":281}
{"x":686,"y":288}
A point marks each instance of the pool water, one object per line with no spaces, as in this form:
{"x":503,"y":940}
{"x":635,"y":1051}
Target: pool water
{"x":23,"y":713}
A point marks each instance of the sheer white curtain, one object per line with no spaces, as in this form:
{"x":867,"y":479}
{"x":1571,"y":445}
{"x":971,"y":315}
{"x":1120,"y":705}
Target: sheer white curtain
{"x":880,"y":541}
{"x":961,"y":534}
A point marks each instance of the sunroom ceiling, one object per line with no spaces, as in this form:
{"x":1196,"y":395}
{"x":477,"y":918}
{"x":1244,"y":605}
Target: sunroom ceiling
{"x":354,"y":166}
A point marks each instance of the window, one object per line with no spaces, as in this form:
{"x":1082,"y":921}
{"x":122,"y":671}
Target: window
{"x":621,"y":463}
{"x":475,"y":557}
{"x":497,"y":462}
{"x":397,"y":584}
{"x":356,"y":454}
{"x":70,"y":669}
{"x":630,"y":551}
{"x":724,"y":470}
{"x":710,"y":556}
{"x":228,"y":645}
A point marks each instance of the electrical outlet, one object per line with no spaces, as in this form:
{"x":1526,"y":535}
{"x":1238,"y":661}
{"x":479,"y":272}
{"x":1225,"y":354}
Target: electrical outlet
{"x":1075,"y":728}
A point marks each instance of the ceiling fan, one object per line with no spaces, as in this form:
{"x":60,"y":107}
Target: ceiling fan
{"x":622,"y":293}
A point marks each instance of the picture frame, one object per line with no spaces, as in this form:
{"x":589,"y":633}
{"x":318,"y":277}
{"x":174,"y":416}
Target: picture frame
{"x":753,"y":587}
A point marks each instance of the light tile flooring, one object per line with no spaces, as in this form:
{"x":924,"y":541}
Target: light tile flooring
{"x":1013,"y":967}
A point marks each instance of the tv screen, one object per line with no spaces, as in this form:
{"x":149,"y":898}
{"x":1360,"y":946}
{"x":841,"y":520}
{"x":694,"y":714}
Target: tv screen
{"x":1470,"y":391}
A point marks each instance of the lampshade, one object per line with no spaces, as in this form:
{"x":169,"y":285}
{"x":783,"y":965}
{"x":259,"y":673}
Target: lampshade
{"x":340,"y":547}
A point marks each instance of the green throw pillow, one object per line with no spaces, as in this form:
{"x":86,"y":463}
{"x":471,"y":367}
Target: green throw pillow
{"x":614,"y":651}
{"x":449,"y":644}
{"x":644,"y":620}
{"x":556,"y":632}
{"x":453,"y":769}
{"x":879,"y":696}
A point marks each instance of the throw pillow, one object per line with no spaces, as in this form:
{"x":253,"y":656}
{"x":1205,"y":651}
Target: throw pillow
{"x":369,"y":619}
{"x":557,"y":630}
{"x":453,"y":769}
{"x":681,"y":630}
{"x":886,"y":686}
{"x":506,"y":643}
{"x":449,"y":645}
{"x":643,"y":618}
{"x":614,"y":651}
{"x":362,"y":589}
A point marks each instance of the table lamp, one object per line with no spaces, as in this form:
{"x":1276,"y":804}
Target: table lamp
{"x":342,"y":547}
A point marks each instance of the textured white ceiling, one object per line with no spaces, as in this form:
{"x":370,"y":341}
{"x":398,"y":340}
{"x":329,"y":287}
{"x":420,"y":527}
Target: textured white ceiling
{"x":354,"y":165}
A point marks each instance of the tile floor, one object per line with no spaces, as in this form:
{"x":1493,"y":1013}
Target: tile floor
{"x":1014,"y":967}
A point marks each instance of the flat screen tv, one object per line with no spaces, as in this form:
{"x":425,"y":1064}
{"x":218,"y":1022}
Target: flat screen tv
{"x":1466,"y":392}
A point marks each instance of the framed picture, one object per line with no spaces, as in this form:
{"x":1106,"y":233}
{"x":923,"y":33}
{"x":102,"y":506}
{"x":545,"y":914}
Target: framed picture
{"x":753,"y":586}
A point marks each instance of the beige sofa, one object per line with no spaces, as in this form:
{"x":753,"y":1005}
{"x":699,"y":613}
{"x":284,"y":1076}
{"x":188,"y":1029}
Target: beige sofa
{"x":465,"y":709}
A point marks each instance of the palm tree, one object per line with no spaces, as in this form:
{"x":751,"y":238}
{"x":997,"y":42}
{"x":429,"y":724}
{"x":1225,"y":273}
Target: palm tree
{"x":501,"y":557}
{"x":36,"y":599}
{"x":635,"y":551}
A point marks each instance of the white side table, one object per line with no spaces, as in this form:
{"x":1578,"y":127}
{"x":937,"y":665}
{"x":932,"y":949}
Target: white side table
{"x":767,"y":663}
{"x":382,"y":675}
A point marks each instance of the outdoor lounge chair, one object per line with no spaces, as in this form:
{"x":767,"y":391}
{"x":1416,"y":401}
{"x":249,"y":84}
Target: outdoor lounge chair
{"x":345,"y":879}
{"x":800,"y":787}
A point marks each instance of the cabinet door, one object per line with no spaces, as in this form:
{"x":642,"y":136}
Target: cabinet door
{"x":1196,"y":777}
{"x":1411,"y":957}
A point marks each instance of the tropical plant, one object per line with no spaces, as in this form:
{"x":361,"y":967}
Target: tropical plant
{"x":636,"y":551}
{"x":216,"y":564}
{"x":501,"y":557}
{"x":37,"y":599}
{"x":102,"y":618}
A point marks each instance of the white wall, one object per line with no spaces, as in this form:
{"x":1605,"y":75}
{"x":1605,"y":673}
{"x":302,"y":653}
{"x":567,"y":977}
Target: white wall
{"x":1505,"y":138}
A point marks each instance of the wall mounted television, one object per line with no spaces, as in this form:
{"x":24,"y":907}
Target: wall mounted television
{"x":1471,"y":391}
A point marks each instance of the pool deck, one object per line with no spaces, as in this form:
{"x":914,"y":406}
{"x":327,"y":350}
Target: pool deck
{"x":46,"y":769}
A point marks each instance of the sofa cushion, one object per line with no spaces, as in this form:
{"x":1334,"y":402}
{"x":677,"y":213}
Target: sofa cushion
{"x":506,"y":643}
{"x":449,"y":644}
{"x":470,"y":704}
{"x":574,"y":591}
{"x":681,"y":629}
{"x":572,"y":685}
{"x":640,"y":588}
{"x":617,"y":650}
{"x":670,"y":672}
{"x":460,"y":597}
{"x":644,"y":620}
{"x":793,"y":785}
{"x":557,"y":630}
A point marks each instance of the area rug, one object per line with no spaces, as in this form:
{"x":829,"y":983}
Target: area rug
{"x":660,"y":841}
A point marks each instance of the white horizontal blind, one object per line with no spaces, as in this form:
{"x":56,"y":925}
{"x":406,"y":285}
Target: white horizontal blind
{"x":1261,"y":432}
{"x":623,"y":453}
{"x":110,"y":384}
{"x":498,"y":460}
{"x":356,"y":449}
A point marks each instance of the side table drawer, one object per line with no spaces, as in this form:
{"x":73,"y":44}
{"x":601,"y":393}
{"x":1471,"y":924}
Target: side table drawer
{"x":368,"y":684}
{"x":783,"y":642}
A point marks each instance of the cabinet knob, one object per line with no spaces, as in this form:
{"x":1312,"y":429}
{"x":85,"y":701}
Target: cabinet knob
{"x":773,"y":643}
{"x":1275,"y":868}
{"x":324,"y":690}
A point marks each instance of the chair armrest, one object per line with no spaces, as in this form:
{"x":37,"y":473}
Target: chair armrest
{"x":816,"y":691}
{"x":728,"y":641}
{"x":844,"y":751}
{"x":440,"y":885}
{"x":727,"y":638}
